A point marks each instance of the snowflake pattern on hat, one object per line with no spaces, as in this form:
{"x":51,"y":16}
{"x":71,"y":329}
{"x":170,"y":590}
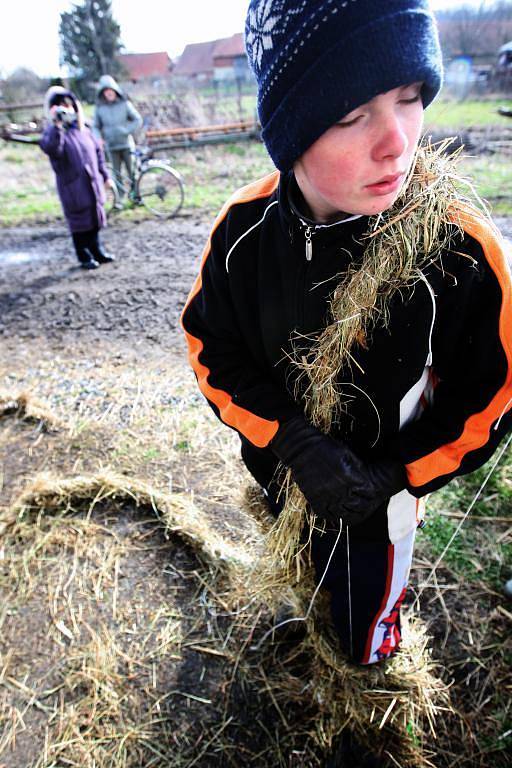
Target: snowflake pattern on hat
{"x":270,"y":20}
{"x":316,"y":60}
{"x":262,"y":20}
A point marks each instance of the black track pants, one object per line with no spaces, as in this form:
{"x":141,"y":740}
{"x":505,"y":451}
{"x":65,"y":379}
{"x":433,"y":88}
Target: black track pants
{"x":367,"y":581}
{"x":366,"y":578}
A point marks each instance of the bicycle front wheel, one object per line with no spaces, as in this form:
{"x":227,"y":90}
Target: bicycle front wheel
{"x":160,"y":190}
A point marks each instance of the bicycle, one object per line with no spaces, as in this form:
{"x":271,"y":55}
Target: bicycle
{"x":156,"y":185}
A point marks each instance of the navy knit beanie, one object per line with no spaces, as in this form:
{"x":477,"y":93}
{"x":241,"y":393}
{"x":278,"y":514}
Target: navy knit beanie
{"x":317,"y":60}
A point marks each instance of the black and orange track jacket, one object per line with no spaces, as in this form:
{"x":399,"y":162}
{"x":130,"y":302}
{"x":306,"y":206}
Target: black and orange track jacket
{"x":433,"y":389}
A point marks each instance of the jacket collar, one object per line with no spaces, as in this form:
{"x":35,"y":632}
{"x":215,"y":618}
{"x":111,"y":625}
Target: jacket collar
{"x":300,"y":227}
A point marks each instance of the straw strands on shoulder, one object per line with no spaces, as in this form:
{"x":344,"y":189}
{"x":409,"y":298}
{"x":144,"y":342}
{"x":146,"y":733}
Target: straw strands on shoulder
{"x":398,"y":244}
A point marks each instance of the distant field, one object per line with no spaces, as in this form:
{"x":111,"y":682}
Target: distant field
{"x":27,"y":193}
{"x":465,"y":114}
{"x":492,"y":176}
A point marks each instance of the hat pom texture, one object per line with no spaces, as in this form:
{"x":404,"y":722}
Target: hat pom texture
{"x":317,"y":60}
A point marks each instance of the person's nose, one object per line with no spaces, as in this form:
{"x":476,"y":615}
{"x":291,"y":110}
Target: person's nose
{"x":391,"y":139}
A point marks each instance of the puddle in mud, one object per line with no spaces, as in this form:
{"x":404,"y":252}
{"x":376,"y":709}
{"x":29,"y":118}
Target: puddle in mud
{"x":19,"y":257}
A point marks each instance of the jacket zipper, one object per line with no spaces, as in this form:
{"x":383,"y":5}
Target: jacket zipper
{"x":308,"y":234}
{"x":302,"y":293}
{"x":309,"y":245}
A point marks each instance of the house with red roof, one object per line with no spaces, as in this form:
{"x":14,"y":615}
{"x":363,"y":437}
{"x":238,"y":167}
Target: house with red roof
{"x":214,"y":60}
{"x":196,"y":61}
{"x":146,"y":66}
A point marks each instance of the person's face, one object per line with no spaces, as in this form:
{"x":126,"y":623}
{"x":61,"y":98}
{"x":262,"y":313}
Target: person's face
{"x":65,"y":101}
{"x":109,"y":94}
{"x":358,"y":166}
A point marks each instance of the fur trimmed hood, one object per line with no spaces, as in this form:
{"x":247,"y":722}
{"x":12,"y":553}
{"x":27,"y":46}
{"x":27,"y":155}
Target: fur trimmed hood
{"x":56,"y":92}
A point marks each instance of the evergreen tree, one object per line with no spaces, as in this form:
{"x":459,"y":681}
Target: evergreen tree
{"x":90,"y":41}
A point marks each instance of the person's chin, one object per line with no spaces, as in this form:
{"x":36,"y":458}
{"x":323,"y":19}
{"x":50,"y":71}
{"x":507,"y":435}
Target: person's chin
{"x":379,"y":204}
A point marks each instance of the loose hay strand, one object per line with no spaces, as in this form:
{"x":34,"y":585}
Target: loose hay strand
{"x":399,"y":243}
{"x":27,"y":407}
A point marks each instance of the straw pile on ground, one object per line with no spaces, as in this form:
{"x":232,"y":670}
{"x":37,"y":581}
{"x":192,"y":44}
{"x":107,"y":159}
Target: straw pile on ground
{"x":393,"y":707}
{"x":92,"y":713}
{"x":27,"y":407}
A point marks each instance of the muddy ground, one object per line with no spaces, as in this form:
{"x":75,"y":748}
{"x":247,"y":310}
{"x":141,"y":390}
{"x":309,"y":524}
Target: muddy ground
{"x":129,"y":310}
{"x":137,"y":300}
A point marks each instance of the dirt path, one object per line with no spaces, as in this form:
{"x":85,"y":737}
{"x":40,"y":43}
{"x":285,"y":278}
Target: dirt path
{"x":137,"y":300}
{"x":104,"y":351}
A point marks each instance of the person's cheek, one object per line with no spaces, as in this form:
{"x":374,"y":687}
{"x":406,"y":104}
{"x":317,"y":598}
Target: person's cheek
{"x":416,"y":127}
{"x":339,"y":171}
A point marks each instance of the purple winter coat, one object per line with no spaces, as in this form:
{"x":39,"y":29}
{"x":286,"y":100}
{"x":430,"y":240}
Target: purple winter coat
{"x":79,"y":166}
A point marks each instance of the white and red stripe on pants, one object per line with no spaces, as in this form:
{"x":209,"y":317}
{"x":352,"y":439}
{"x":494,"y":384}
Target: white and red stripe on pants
{"x":367,"y":580}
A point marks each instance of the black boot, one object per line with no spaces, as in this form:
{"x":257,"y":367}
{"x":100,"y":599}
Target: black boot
{"x":90,"y":264}
{"x":96,"y":248}
{"x":86,"y":259}
{"x":103,"y":258}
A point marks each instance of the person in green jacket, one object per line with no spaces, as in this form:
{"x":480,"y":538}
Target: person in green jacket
{"x":115,"y":122}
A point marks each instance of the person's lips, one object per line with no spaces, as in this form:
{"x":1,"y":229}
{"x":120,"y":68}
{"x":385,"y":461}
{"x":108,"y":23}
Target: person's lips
{"x":387,"y":184}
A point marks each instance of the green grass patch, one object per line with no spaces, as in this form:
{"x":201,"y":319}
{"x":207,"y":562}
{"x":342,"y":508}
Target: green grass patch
{"x":476,"y":553}
{"x":236,"y":149}
{"x":25,"y":207}
{"x":460,"y":115}
{"x":13,"y":157}
{"x":501,"y":743}
{"x":492,"y":177}
{"x":212,"y":174}
{"x":152,"y":453}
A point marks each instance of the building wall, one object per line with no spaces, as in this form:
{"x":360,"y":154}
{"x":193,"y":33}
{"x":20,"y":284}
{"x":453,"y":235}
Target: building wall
{"x":228,"y":69}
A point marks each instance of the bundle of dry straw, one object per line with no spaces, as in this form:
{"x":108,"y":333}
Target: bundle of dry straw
{"x":399,"y":243}
{"x":179,"y":513}
{"x":27,"y":407}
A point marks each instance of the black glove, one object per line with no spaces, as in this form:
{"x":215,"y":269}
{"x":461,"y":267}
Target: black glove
{"x":333,"y":479}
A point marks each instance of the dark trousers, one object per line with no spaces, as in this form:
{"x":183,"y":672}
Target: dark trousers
{"x":367,"y":581}
{"x":87,"y":245}
{"x":364,"y":573}
{"x":118,"y":158}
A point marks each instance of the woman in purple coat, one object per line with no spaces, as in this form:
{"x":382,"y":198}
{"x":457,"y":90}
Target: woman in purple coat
{"x":79,"y":165}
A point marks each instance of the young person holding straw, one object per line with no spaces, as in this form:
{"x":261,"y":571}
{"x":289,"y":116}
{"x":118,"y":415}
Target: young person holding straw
{"x":352,"y":319}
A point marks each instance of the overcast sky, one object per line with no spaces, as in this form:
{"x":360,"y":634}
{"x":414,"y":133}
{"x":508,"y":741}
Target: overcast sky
{"x":29,"y":28}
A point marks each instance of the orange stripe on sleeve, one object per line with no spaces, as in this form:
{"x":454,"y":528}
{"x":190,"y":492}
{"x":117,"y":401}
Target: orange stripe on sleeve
{"x":475,"y":434}
{"x":258,"y":430}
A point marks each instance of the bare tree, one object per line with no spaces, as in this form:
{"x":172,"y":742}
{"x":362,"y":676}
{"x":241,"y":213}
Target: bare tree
{"x":23,"y":85}
{"x":90,"y":41}
{"x":476,"y":30}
